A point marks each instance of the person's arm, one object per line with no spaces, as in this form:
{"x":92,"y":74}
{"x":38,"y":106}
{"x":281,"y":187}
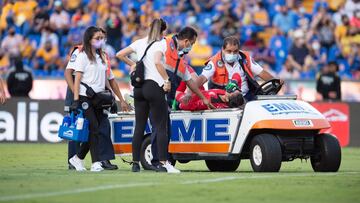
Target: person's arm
{"x":161,"y":69}
{"x":69,"y":78}
{"x":194,"y":88}
{"x":123,"y":56}
{"x":115,"y":88}
{"x":2,"y":92}
{"x":78,"y":76}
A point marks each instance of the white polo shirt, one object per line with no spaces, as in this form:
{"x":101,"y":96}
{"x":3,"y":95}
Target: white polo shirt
{"x":71,"y":63}
{"x":151,"y":72}
{"x":94,"y":73}
{"x":256,"y":69}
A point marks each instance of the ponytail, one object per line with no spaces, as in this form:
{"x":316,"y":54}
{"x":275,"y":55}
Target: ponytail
{"x":157,"y":26}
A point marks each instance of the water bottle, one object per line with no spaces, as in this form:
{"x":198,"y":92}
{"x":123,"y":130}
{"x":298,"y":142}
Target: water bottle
{"x":79,"y":123}
{"x":67,"y":121}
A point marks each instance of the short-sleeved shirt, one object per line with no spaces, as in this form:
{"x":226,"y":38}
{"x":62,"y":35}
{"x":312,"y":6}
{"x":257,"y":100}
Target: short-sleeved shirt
{"x":94,"y":73}
{"x":209,"y":71}
{"x":151,"y":72}
{"x":73,"y":57}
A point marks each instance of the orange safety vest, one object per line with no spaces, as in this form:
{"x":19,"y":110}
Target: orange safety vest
{"x":107,"y":58}
{"x":172,"y":57}
{"x":221,"y":75}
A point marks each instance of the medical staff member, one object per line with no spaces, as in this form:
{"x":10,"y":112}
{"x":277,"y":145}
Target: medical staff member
{"x":151,"y":96}
{"x":107,"y":152}
{"x":228,"y":61}
{"x":91,"y":69}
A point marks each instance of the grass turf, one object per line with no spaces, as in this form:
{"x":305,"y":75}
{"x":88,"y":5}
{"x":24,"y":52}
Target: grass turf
{"x":38,"y":173}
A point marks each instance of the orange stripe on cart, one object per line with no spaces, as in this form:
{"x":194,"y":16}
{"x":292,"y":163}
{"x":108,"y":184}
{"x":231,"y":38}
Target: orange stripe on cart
{"x":289,"y":125}
{"x":122,"y":148}
{"x":196,"y":147}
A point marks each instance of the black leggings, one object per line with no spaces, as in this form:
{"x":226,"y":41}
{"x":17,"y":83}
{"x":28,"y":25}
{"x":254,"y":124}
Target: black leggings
{"x":150,"y":98}
{"x":97,"y":142}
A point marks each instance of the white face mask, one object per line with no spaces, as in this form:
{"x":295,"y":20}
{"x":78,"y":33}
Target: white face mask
{"x":231,"y":58}
{"x":99,"y":44}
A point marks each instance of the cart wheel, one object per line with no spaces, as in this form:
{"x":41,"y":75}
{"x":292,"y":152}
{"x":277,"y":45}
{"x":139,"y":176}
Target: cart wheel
{"x":265,"y":153}
{"x":327,"y":157}
{"x":146,"y":154}
{"x":223,"y":165}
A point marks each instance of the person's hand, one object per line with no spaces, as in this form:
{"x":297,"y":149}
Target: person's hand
{"x":185,"y":99}
{"x":75,"y":106}
{"x":125,"y":106}
{"x":332,"y":95}
{"x":167,"y":86}
{"x":132,"y":67}
{"x":208,"y":104}
{"x":2,"y":97}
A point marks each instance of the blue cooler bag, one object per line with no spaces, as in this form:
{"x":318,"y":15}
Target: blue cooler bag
{"x":74,"y":128}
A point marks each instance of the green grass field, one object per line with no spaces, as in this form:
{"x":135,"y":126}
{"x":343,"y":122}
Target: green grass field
{"x":37,"y":173}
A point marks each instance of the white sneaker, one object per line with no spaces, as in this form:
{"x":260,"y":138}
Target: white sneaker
{"x":96,"y":167}
{"x":170,"y":168}
{"x":77,"y":163}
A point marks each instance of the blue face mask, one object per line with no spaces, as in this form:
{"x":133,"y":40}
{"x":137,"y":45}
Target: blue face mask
{"x":231,"y":58}
{"x":185,"y":50}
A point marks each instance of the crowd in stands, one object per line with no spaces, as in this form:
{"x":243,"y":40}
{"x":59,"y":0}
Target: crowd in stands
{"x":291,"y":38}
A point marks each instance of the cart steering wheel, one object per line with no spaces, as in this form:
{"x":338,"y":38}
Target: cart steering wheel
{"x":270,"y":87}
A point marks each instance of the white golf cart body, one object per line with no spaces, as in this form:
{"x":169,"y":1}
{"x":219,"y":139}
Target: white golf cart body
{"x":224,"y":136}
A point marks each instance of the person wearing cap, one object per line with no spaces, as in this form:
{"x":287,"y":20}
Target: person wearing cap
{"x":229,"y":60}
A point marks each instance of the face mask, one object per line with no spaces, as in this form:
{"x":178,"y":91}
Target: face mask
{"x":99,"y":44}
{"x":187,"y":49}
{"x":230,"y":58}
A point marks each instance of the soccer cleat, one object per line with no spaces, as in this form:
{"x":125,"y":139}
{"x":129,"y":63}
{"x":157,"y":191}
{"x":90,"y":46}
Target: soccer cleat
{"x":135,"y":167}
{"x":96,"y":167}
{"x":76,"y":162}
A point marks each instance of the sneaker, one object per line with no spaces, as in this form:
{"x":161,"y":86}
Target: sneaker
{"x":168,"y":167}
{"x":107,"y":165}
{"x":76,"y":162}
{"x":135,"y":167}
{"x":96,"y":167}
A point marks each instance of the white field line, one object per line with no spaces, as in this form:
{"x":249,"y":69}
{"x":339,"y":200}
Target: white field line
{"x":143,"y":184}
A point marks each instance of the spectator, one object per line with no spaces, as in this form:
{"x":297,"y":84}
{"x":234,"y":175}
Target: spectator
{"x":355,"y":20}
{"x":47,"y":35}
{"x":342,"y":30}
{"x":200,"y":53}
{"x":40,"y":21}
{"x":12,"y":43}
{"x":113,"y":25}
{"x":351,"y":6}
{"x":19,"y":80}
{"x":72,"y":5}
{"x":6,"y":15}
{"x":354,"y":61}
{"x":47,"y":57}
{"x":324,"y":28}
{"x":260,"y":15}
{"x":27,"y":49}
{"x":24,"y":11}
{"x":263,"y":55}
{"x":328,"y":85}
{"x":289,"y":72}
{"x":285,"y":20}
{"x":60,"y":20}
{"x":298,"y":51}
